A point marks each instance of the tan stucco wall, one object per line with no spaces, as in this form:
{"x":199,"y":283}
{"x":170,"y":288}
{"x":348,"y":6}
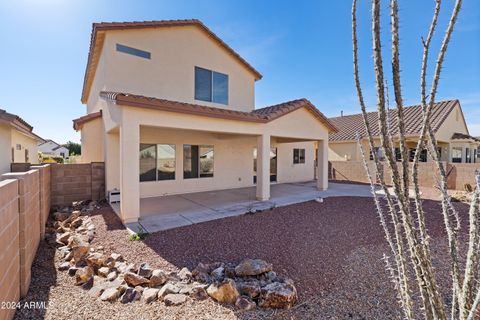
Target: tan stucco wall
{"x":343,"y":151}
{"x":169,"y":74}
{"x":453,"y":123}
{"x":27,"y":143}
{"x":92,"y":139}
{"x":5,"y":148}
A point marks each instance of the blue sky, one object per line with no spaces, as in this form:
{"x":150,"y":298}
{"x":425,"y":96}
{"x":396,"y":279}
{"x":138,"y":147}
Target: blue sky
{"x":302,"y":48}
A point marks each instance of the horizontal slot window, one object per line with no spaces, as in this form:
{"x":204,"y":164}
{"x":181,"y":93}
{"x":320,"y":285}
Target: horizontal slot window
{"x":133,"y":51}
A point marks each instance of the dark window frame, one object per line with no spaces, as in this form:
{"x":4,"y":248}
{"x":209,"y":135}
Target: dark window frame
{"x":155,"y":167}
{"x":299,"y":156}
{"x":133,"y":51}
{"x":457,"y":159}
{"x":194,"y":171}
{"x":212,"y":87}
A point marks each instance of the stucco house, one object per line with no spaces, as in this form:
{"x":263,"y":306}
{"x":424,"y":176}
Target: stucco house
{"x":51,"y":148}
{"x":448,"y":123}
{"x":18,"y":143}
{"x":171,"y":110}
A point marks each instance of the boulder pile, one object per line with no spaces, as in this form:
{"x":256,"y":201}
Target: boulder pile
{"x":249,"y":284}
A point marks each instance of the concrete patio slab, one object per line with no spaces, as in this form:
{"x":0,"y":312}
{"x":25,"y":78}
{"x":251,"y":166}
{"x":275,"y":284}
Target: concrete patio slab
{"x":168,"y":212}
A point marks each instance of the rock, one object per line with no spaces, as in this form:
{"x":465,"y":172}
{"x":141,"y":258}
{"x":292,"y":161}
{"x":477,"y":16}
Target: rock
{"x":201,"y":268}
{"x":72,"y":271}
{"x":95,"y":259}
{"x":88,"y":285}
{"x":117,"y":257}
{"x":229,"y":271}
{"x":157,"y":278}
{"x":80,"y":253}
{"x":224,"y":292}
{"x":149,"y":295}
{"x":103,"y":271}
{"x":218,"y":273}
{"x":245,"y":304}
{"x":112,"y":294}
{"x":83,"y":275}
{"x":60,"y":216}
{"x":76,"y":223}
{"x":63,"y":238}
{"x":184,"y":274}
{"x":145,"y":271}
{"x":112,"y":276}
{"x":203,"y":277}
{"x":72,"y":217}
{"x":272,"y":276}
{"x":139,"y":288}
{"x":173,"y":299}
{"x":68,"y":256}
{"x":134,"y":279}
{"x":167,"y":289}
{"x":96,"y":291}
{"x":278,"y":295}
{"x":90,"y":235}
{"x":109,"y":262}
{"x":130,"y":295}
{"x":124,"y":268}
{"x":249,"y":288}
{"x":252,"y":267}
{"x":199,"y":293}
{"x":64,"y":266}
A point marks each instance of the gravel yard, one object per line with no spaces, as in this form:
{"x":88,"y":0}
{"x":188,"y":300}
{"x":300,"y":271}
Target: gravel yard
{"x":332,"y":251}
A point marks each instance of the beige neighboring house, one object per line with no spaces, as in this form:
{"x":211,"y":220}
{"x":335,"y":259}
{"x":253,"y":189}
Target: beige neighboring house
{"x":52,"y":149}
{"x":18,"y":143}
{"x":448,"y":123}
{"x":170,"y":109}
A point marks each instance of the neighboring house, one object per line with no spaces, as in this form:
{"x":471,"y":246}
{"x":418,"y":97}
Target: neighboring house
{"x":448,"y":123}
{"x":170,"y":109}
{"x":18,"y":143}
{"x":53,"y":149}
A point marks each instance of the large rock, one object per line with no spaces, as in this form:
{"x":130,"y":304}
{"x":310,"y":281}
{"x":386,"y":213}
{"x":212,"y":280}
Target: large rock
{"x":185,"y":274}
{"x":62,"y":238}
{"x":245,"y":304}
{"x":167,"y":289}
{"x":149,"y":295}
{"x":103,"y":272}
{"x":76,"y":223}
{"x":64,"y":266}
{"x":80,"y":252}
{"x":134,"y":279}
{"x":145,"y":271}
{"x":117,"y":257}
{"x":199,"y":293}
{"x":252,"y":267}
{"x":174,"y":299}
{"x":224,"y":292}
{"x":112,"y":294}
{"x":278,"y":295}
{"x":249,"y":288}
{"x":112,"y":276}
{"x":95,"y":259}
{"x":83,"y":275}
{"x":218,"y":274}
{"x":130,"y":295}
{"x":158,"y":278}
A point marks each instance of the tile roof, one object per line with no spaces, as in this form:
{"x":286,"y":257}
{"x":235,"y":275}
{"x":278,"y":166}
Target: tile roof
{"x":17,"y":122}
{"x":263,"y":115}
{"x":96,"y":42}
{"x":79,"y":122}
{"x":349,"y":125}
{"x":463,"y":136}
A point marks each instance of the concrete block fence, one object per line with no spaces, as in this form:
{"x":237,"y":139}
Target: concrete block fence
{"x":26,"y":199}
{"x":459,"y":174}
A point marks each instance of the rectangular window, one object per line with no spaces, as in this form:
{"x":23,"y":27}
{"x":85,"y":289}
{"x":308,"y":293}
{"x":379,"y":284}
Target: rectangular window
{"x":468,"y":158}
{"x":157,"y":162}
{"x":298,"y":156}
{"x":198,"y":161}
{"x":474,"y":155}
{"x":211,"y":86}
{"x":132,"y":51}
{"x":398,"y":154}
{"x":457,"y":155}
{"x":18,"y":146}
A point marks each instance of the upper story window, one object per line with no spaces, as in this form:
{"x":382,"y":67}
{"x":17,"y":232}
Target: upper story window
{"x":211,"y":86}
{"x":133,"y":51}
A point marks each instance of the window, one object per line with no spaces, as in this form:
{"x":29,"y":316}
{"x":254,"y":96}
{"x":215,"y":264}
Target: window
{"x":398,"y":154}
{"x":475,"y":154}
{"x":133,"y":51}
{"x":468,"y":158}
{"x":378,"y":151}
{"x":211,"y":86}
{"x":18,"y":146}
{"x":457,"y":155}
{"x":27,"y":156}
{"x":198,"y":161}
{"x":157,"y":162}
{"x":298,"y":156}
{"x":423,"y":155}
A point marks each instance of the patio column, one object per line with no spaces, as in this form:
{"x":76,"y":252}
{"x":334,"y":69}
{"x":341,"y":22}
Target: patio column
{"x":129,"y":172}
{"x":263,"y":167}
{"x":322,"y":165}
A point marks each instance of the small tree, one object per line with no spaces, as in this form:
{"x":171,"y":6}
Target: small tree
{"x":73,"y":148}
{"x":408,"y":237}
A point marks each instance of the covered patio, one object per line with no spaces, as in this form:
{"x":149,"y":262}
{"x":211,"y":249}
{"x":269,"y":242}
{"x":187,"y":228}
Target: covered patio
{"x":168,"y":212}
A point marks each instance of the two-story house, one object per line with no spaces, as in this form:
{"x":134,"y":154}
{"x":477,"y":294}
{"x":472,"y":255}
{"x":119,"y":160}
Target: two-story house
{"x":52,"y":148}
{"x":171,"y":110}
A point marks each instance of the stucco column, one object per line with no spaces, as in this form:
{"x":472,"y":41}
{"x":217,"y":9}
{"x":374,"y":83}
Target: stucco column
{"x":322,"y":165}
{"x":112,"y":161}
{"x":129,"y":172}
{"x":263,"y":167}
